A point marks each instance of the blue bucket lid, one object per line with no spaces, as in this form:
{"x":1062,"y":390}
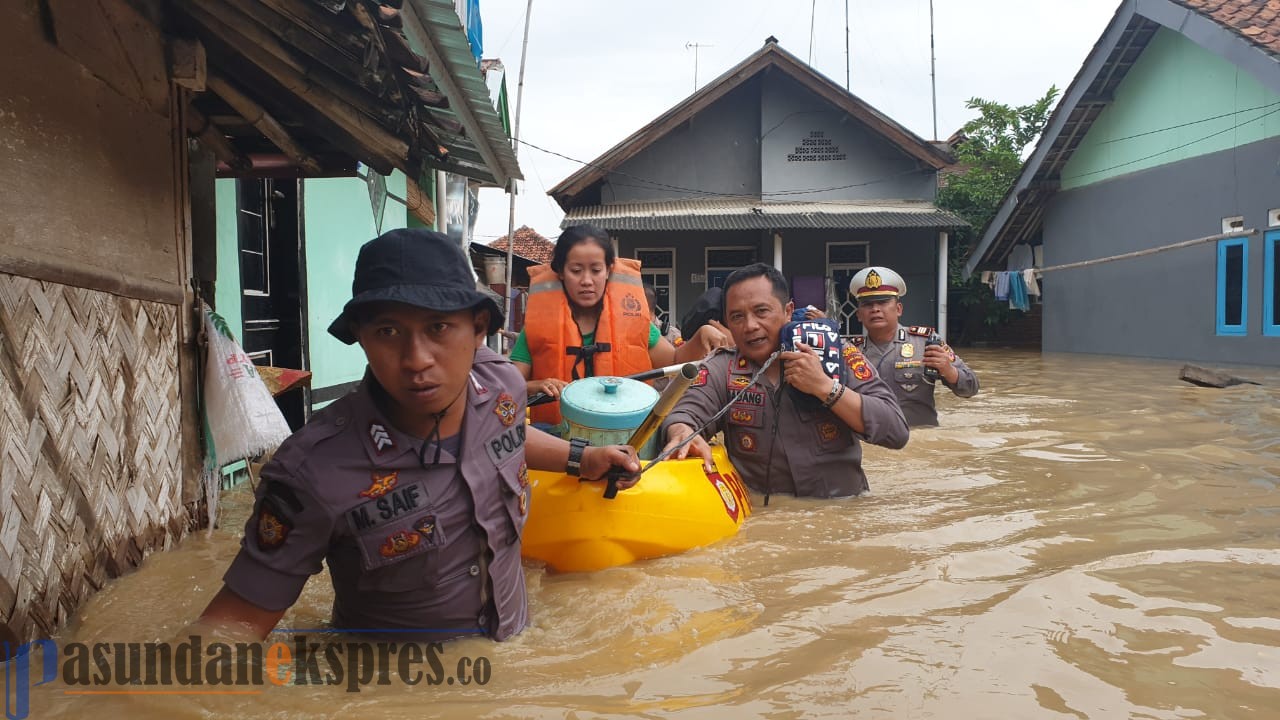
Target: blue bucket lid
{"x":607,"y":403}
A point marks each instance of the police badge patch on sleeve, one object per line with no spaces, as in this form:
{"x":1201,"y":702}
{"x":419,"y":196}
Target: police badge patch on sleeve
{"x":857,"y":363}
{"x":272,"y":530}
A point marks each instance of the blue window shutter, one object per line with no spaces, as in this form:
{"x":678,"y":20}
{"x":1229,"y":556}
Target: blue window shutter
{"x":1270,"y":281}
{"x":1233,"y":287}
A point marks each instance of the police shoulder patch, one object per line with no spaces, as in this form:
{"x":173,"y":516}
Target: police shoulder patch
{"x":505,"y":409}
{"x":702,"y":377}
{"x":857,"y":363}
{"x":272,"y":529}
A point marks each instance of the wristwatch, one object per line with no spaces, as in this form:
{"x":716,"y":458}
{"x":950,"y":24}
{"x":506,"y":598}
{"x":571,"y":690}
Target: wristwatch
{"x":576,"y":447}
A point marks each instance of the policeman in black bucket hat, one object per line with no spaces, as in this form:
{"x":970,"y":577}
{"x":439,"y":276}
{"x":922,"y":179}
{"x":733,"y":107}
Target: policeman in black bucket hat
{"x":412,"y":489}
{"x":415,"y":267}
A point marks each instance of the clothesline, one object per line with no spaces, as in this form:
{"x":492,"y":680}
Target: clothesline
{"x":1019,"y":286}
{"x":1149,"y":251}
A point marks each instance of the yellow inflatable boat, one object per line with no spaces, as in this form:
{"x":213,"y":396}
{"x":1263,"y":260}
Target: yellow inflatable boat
{"x":675,"y":507}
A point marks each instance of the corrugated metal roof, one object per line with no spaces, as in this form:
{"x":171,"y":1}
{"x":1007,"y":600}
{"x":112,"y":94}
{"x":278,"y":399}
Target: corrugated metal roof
{"x":757,"y":215}
{"x":455,"y":71}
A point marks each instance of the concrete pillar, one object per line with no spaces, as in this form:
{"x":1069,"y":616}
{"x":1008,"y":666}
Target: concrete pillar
{"x":943,"y":278}
{"x":777,"y":251}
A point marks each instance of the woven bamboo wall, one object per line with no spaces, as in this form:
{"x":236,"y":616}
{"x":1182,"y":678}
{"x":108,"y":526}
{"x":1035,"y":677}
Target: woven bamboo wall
{"x":90,"y":474}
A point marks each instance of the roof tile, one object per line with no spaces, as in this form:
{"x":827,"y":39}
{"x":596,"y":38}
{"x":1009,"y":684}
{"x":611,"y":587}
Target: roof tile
{"x":529,"y":244}
{"x":1251,"y":19}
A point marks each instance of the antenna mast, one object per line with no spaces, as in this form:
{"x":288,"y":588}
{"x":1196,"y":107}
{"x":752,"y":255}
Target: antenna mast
{"x":694,"y":46}
{"x":847,"y":59}
{"x":515,"y":150}
{"x":933,"y":73}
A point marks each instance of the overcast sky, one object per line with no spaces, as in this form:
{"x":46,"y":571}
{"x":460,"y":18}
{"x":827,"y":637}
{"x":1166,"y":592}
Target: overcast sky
{"x":598,"y":70}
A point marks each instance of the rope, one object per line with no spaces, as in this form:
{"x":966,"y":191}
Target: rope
{"x":1150,"y":251}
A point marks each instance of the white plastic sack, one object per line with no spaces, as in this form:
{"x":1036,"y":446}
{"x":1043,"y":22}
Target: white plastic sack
{"x":242,"y":418}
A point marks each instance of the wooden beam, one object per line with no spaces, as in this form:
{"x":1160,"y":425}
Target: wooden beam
{"x":211,"y":137}
{"x":187,"y":64}
{"x":316,"y":34}
{"x":263,"y":48}
{"x":59,"y":269}
{"x":262,"y":120}
{"x":380,"y":149}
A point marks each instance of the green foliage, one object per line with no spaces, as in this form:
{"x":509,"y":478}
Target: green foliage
{"x":989,"y":161}
{"x":220,"y":324}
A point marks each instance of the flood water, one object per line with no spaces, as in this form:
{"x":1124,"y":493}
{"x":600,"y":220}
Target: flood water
{"x":1088,"y":537}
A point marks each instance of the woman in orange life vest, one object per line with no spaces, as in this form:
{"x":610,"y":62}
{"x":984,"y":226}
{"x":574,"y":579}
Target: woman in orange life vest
{"x":587,"y":316}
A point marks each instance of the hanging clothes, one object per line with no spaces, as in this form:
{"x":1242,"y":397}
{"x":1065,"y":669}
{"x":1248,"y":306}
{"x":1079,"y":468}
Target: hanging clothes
{"x":1018,"y":292}
{"x":1002,"y":286}
{"x":1029,"y":278}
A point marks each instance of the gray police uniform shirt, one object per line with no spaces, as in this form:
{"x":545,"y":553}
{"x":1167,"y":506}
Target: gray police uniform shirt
{"x":901,"y":363}
{"x":411,"y":543}
{"x":781,"y":446}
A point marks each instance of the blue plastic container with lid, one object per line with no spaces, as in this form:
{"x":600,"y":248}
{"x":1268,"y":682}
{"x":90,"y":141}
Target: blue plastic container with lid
{"x":606,"y":410}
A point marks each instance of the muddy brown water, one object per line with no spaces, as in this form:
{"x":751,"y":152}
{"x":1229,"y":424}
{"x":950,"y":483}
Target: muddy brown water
{"x":1089,"y":537}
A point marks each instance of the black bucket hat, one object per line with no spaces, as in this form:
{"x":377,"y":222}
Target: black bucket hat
{"x":415,"y":267}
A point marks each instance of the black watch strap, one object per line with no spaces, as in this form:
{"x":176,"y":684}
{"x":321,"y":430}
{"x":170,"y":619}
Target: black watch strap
{"x":576,"y":447}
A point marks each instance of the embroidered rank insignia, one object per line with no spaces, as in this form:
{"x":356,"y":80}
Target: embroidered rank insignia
{"x":399,"y":543}
{"x":908,"y":350}
{"x":739,"y":382}
{"x":920,"y":330}
{"x":380,"y":437}
{"x":506,"y":409}
{"x":858,"y":340}
{"x":524,"y":502}
{"x":702,"y":377}
{"x":827,"y":431}
{"x":523,"y":475}
{"x":381,"y":485}
{"x":426,"y":526}
{"x":272,"y":531}
{"x":747,"y":441}
{"x":742,"y":363}
{"x":857,"y":363}
{"x":741,"y":417}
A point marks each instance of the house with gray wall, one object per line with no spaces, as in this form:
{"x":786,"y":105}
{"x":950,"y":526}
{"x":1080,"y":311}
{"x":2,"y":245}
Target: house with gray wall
{"x":772,"y":162}
{"x":1169,"y":133}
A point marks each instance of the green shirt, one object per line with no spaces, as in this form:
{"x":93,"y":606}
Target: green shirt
{"x":520,"y":351}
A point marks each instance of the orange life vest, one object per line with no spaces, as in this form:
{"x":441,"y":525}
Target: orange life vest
{"x":555,"y":344}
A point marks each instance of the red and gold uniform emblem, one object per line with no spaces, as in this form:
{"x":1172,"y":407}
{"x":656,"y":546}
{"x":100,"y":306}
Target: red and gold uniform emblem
{"x":381,"y":485}
{"x":506,"y":409}
{"x":399,"y":543}
{"x":272,"y":531}
{"x":857,"y":363}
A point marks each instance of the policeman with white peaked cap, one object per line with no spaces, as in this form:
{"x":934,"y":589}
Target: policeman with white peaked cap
{"x":911,"y":359}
